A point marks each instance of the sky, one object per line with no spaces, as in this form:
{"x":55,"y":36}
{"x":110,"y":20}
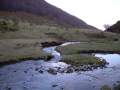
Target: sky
{"x":93,"y":12}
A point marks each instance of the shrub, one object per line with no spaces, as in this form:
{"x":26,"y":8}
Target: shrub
{"x":8,"y":25}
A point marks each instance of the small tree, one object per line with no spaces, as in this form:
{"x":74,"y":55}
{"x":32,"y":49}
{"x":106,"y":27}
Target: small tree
{"x":106,"y":26}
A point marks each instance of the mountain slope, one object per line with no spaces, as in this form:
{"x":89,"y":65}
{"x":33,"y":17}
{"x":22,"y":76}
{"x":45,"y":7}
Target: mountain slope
{"x":114,"y":28}
{"x":42,"y":8}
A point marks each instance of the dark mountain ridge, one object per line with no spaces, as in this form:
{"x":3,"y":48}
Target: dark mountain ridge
{"x":42,"y":8}
{"x":114,"y":28}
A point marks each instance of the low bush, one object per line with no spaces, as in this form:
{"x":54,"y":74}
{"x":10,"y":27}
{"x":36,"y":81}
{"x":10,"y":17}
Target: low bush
{"x":8,"y":25}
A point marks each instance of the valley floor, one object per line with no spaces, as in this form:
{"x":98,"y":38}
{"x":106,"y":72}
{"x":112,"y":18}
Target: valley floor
{"x":21,"y":40}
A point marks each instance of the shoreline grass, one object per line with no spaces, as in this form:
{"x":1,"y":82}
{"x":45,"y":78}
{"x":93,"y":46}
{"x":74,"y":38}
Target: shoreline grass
{"x":90,"y":47}
{"x":81,"y":59}
{"x":15,"y":50}
{"x":77,"y":54}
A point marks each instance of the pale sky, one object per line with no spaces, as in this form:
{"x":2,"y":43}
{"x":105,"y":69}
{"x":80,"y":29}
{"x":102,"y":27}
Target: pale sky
{"x":93,"y":12}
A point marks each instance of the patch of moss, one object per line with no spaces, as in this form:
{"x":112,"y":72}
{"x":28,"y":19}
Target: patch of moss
{"x":77,"y":60}
{"x":105,"y":87}
{"x":115,"y":87}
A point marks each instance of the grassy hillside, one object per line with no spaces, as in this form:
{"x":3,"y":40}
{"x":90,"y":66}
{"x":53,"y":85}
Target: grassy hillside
{"x":31,"y":18}
{"x":31,"y":26}
{"x":42,"y":8}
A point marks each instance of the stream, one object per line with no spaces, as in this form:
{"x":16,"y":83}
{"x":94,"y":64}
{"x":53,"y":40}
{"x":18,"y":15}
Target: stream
{"x":36,"y":75}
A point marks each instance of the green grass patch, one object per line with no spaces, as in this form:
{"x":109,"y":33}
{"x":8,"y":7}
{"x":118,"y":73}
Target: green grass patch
{"x":75,"y":54}
{"x":77,"y":60}
{"x":90,"y":47}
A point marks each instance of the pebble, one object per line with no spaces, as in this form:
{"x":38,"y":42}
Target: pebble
{"x":52,"y":71}
{"x":54,"y":85}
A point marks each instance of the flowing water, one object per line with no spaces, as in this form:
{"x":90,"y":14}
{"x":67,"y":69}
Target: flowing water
{"x":33,"y":75}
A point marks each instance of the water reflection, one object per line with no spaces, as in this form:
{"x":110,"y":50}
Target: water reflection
{"x":113,"y":59}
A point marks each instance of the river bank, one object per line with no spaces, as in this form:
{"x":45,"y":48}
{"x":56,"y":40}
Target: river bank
{"x":76,"y":57}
